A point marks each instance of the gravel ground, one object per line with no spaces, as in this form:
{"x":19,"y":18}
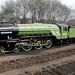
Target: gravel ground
{"x":34,"y":53}
{"x":38,"y":67}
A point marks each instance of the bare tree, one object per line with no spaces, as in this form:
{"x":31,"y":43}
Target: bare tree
{"x":24,"y":8}
{"x":32,"y":4}
{"x":17,"y":10}
{"x":8,"y":9}
{"x":48,"y":11}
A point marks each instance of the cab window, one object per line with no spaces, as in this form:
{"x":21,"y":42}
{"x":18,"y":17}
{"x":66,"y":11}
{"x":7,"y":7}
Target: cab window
{"x":64,"y":28}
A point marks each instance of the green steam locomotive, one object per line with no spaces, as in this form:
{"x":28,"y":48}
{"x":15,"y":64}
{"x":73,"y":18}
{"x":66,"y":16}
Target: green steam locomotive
{"x":18,"y":37}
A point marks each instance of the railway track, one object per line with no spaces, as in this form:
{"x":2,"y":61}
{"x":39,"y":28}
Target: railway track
{"x":63,"y":69}
{"x":25,"y":62}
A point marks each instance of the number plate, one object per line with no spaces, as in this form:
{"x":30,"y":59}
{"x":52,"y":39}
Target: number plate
{"x":6,"y":32}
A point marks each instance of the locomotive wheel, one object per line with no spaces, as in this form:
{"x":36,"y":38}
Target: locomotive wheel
{"x":2,"y":49}
{"x":48,"y":42}
{"x":16,"y":49}
{"x":27,"y":48}
{"x":39,"y":43}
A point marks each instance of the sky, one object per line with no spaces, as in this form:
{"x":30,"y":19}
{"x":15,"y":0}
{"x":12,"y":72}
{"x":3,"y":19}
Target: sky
{"x":70,"y":3}
{"x":1,"y":1}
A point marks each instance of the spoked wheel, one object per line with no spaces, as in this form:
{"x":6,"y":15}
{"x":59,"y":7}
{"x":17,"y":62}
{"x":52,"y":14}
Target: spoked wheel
{"x":38,"y":42}
{"x":27,"y":48}
{"x":2,"y":50}
{"x":48,"y":42}
{"x":16,"y":49}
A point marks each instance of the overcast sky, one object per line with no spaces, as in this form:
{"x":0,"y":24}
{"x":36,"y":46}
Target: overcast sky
{"x":70,"y":3}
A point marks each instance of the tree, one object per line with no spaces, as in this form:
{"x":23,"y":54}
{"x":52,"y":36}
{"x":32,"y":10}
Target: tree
{"x":8,"y":9}
{"x":44,"y":11}
{"x":24,"y":8}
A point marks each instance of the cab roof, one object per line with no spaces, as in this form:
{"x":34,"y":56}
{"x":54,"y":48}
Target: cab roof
{"x":63,"y":25}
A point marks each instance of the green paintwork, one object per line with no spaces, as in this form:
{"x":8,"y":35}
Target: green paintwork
{"x":39,"y":28}
{"x":48,"y":42}
{"x":64,"y":33}
{"x":38,"y":42}
{"x":72,"y":33}
{"x":26,"y":48}
{"x":2,"y":49}
{"x":17,"y":49}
